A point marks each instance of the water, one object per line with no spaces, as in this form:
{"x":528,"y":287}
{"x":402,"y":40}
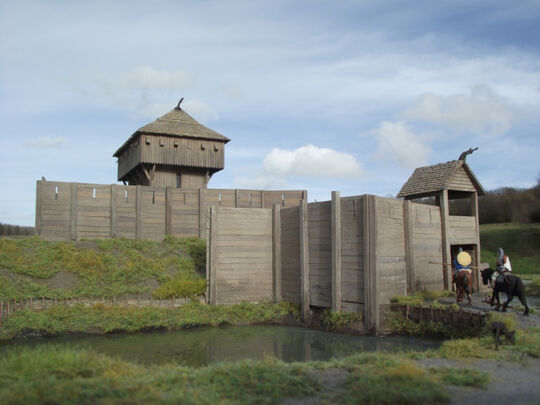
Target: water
{"x":202,"y":346}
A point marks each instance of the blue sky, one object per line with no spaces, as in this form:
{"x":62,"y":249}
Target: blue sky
{"x":316,"y":95}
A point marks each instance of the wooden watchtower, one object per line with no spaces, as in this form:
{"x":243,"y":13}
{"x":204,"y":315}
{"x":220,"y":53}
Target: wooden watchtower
{"x":173,"y":151}
{"x":449,"y":181}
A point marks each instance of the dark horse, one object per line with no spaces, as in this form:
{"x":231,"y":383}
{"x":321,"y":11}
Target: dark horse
{"x":509,"y":284}
{"x":464,"y":285}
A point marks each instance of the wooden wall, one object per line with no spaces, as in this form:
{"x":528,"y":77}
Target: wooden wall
{"x":71,"y":211}
{"x":320,"y":254}
{"x":240,"y":264}
{"x":352,"y":253}
{"x":290,"y":254}
{"x":426,"y":247}
{"x":390,"y":249}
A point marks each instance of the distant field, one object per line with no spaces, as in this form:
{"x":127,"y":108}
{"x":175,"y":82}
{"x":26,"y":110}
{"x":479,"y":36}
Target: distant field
{"x":521,"y":242}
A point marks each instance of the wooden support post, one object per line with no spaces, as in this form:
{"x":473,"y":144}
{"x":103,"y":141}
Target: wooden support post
{"x":371,"y":302}
{"x":138,"y":211}
{"x":443,"y":202}
{"x":262,"y":199}
{"x":39,"y":206}
{"x":304,"y":262}
{"x":477,"y":259}
{"x":211,"y":256}
{"x":202,"y":213}
{"x":74,"y":210}
{"x":168,"y":211}
{"x":276,"y":251}
{"x":409,"y":251}
{"x":114,"y":199}
{"x":336,"y":251}
{"x":236,"y":198}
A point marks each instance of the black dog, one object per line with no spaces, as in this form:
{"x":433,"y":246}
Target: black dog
{"x":498,"y":329}
{"x":511,"y":285}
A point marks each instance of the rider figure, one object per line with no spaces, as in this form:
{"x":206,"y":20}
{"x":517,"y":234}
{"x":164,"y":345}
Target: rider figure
{"x":457,"y":266}
{"x":503,"y":266}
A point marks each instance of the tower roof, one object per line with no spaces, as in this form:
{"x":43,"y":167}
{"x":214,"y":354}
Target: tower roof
{"x":176,"y":123}
{"x":431,"y":179}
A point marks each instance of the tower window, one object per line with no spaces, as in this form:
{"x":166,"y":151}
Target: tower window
{"x":178,"y":180}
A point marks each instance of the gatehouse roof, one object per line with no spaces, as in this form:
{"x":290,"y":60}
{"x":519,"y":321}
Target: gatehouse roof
{"x":454,"y":175}
{"x":176,"y":123}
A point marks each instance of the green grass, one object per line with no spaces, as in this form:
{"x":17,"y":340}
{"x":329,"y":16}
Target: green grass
{"x":521,"y":242}
{"x":60,"y":319}
{"x":67,"y":376}
{"x":56,"y":374}
{"x":34,"y":268}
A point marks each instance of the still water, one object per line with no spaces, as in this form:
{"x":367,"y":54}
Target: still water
{"x":202,"y":346}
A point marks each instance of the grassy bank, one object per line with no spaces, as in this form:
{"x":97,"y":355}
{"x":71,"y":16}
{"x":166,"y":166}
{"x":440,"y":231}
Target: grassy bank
{"x":520,"y":241}
{"x":66,"y":376}
{"x":34,"y":268}
{"x":60,"y":319}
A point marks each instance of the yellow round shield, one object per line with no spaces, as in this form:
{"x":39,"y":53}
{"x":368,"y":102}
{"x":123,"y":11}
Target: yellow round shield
{"x":464,"y":258}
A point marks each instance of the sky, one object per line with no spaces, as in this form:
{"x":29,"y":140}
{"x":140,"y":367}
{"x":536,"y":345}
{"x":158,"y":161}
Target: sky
{"x":315,"y":95}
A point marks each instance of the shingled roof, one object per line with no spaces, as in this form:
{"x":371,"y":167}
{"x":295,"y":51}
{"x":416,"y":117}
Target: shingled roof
{"x":176,"y":123}
{"x":431,"y":179}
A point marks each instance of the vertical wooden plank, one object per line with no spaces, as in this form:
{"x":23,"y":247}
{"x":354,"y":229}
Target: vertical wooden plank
{"x":138,"y":211}
{"x":114,"y":199}
{"x":475,"y":213}
{"x":74,"y":210}
{"x":262,"y":199}
{"x":276,"y":251}
{"x":371,"y":310}
{"x":236,"y":198}
{"x":336,"y":250}
{"x":168,"y":211}
{"x":304,"y":261}
{"x":202,"y":213}
{"x":38,"y":208}
{"x":409,"y":251}
{"x":443,"y":203}
{"x":211,"y":249}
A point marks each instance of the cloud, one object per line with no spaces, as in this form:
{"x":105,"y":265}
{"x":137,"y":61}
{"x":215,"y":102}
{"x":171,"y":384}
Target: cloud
{"x":142,"y":90}
{"x":261,"y":181}
{"x":202,"y":111}
{"x":398,"y":143}
{"x":311,"y":161}
{"x":481,"y":110}
{"x":46,"y":142}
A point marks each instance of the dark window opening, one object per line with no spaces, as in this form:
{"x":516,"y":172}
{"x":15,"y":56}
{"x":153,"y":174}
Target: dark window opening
{"x":178,"y":180}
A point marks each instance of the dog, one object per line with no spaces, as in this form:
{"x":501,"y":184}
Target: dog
{"x":498,"y":329}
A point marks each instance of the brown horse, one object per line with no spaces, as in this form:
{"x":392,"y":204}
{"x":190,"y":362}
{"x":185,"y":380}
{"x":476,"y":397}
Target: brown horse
{"x":464,"y":285}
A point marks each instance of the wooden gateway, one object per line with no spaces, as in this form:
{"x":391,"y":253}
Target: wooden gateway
{"x":450,"y":181}
{"x":173,"y":151}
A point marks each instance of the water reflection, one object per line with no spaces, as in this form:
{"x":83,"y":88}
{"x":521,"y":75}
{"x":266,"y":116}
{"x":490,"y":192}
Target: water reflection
{"x":202,"y":346}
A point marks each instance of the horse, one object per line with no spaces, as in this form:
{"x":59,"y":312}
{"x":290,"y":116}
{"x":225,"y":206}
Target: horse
{"x":463,"y":285}
{"x":509,"y":284}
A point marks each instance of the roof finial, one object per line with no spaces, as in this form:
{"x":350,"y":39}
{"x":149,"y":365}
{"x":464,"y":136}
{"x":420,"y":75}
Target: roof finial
{"x":180,"y":102}
{"x":463,"y":156}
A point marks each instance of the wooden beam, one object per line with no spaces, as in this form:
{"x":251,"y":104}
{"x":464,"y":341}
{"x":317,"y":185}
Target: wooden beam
{"x":39,"y":207}
{"x":371,"y":302}
{"x":202,"y":213}
{"x":74,"y":210}
{"x":476,"y":214}
{"x":304,"y":262}
{"x":276,"y":251}
{"x":443,"y":203}
{"x":138,"y":211}
{"x":409,"y":251}
{"x":336,"y":251}
{"x":211,"y":256}
{"x":114,"y":197}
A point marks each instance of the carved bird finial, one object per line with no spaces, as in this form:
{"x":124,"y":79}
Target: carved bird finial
{"x":463,"y":156}
{"x":180,"y":102}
